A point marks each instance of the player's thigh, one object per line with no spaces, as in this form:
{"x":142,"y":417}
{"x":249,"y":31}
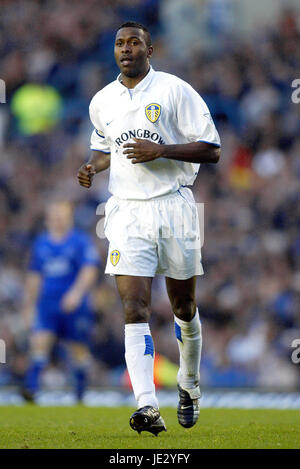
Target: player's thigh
{"x":182,"y":297}
{"x":42,"y":341}
{"x":179,"y":248}
{"x":132,"y":248}
{"x":135,"y":294}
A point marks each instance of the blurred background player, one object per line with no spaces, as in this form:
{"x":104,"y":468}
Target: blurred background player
{"x":62,"y":270}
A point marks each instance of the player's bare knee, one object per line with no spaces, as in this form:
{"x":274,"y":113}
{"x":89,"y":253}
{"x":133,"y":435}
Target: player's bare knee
{"x":184,"y":309}
{"x":136,"y":310}
{"x":80,"y":353}
{"x":39,"y":345}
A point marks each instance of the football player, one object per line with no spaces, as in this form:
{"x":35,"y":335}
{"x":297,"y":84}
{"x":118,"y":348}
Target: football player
{"x":153,"y":130}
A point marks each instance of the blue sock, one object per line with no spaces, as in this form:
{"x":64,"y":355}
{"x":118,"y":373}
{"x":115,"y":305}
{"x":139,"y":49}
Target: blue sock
{"x":81,"y":378}
{"x":32,"y":377}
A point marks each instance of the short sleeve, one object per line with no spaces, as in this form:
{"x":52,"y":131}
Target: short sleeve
{"x":98,"y":140}
{"x":194,"y":119}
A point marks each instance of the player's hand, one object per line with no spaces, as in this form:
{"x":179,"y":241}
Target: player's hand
{"x":85,"y":175}
{"x":142,"y":150}
{"x":70,"y":301}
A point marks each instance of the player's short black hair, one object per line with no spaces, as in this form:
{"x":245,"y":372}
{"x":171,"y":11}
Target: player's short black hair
{"x":133,"y":24}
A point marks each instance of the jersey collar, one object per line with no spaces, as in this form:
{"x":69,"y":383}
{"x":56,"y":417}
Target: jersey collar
{"x":141,"y":86}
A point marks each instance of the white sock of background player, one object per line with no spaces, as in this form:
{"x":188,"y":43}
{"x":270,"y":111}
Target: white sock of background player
{"x":139,"y":356}
{"x":189,"y":339}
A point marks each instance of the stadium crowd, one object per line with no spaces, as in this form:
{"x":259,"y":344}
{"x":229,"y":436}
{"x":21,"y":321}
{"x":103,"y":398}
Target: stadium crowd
{"x":54,"y":56}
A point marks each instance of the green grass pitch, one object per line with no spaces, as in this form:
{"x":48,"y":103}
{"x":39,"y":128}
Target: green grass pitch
{"x":33,"y":427}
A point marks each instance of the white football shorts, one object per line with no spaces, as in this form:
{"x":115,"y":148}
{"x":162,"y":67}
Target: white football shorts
{"x":155,"y":236}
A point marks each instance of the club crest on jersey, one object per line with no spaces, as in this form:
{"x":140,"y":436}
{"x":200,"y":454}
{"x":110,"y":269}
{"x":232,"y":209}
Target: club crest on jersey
{"x":153,"y":112}
{"x":114,"y":257}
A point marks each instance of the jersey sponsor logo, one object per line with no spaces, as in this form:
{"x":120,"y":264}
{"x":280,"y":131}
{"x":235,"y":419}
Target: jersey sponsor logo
{"x":153,"y":112}
{"x":139,"y":133}
{"x":115,"y":257}
{"x":57,"y":267}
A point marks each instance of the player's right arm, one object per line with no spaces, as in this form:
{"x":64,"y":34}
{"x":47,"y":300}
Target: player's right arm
{"x":31,"y":292}
{"x":33,"y":282}
{"x":99,"y":161}
{"x":100,"y":157}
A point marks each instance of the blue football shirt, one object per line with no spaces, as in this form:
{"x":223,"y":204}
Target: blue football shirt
{"x":59,"y":262}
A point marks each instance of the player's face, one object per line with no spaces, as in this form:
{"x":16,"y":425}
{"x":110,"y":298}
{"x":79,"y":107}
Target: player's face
{"x":59,"y":217}
{"x":132,"y":52}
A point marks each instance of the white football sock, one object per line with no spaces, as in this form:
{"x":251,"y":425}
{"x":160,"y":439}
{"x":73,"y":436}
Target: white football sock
{"x":139,"y":356}
{"x":189,"y":339}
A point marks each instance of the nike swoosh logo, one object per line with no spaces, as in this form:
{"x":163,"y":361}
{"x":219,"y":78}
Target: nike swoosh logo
{"x":107,"y":123}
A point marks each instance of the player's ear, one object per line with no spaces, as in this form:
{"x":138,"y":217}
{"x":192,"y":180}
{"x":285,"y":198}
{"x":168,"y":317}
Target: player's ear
{"x":150,"y":52}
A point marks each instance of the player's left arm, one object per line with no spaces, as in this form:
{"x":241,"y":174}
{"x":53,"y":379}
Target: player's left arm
{"x":142,"y":151}
{"x":33,"y":282}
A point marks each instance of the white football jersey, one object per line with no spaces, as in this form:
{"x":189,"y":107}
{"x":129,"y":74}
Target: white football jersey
{"x":161,"y":108}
